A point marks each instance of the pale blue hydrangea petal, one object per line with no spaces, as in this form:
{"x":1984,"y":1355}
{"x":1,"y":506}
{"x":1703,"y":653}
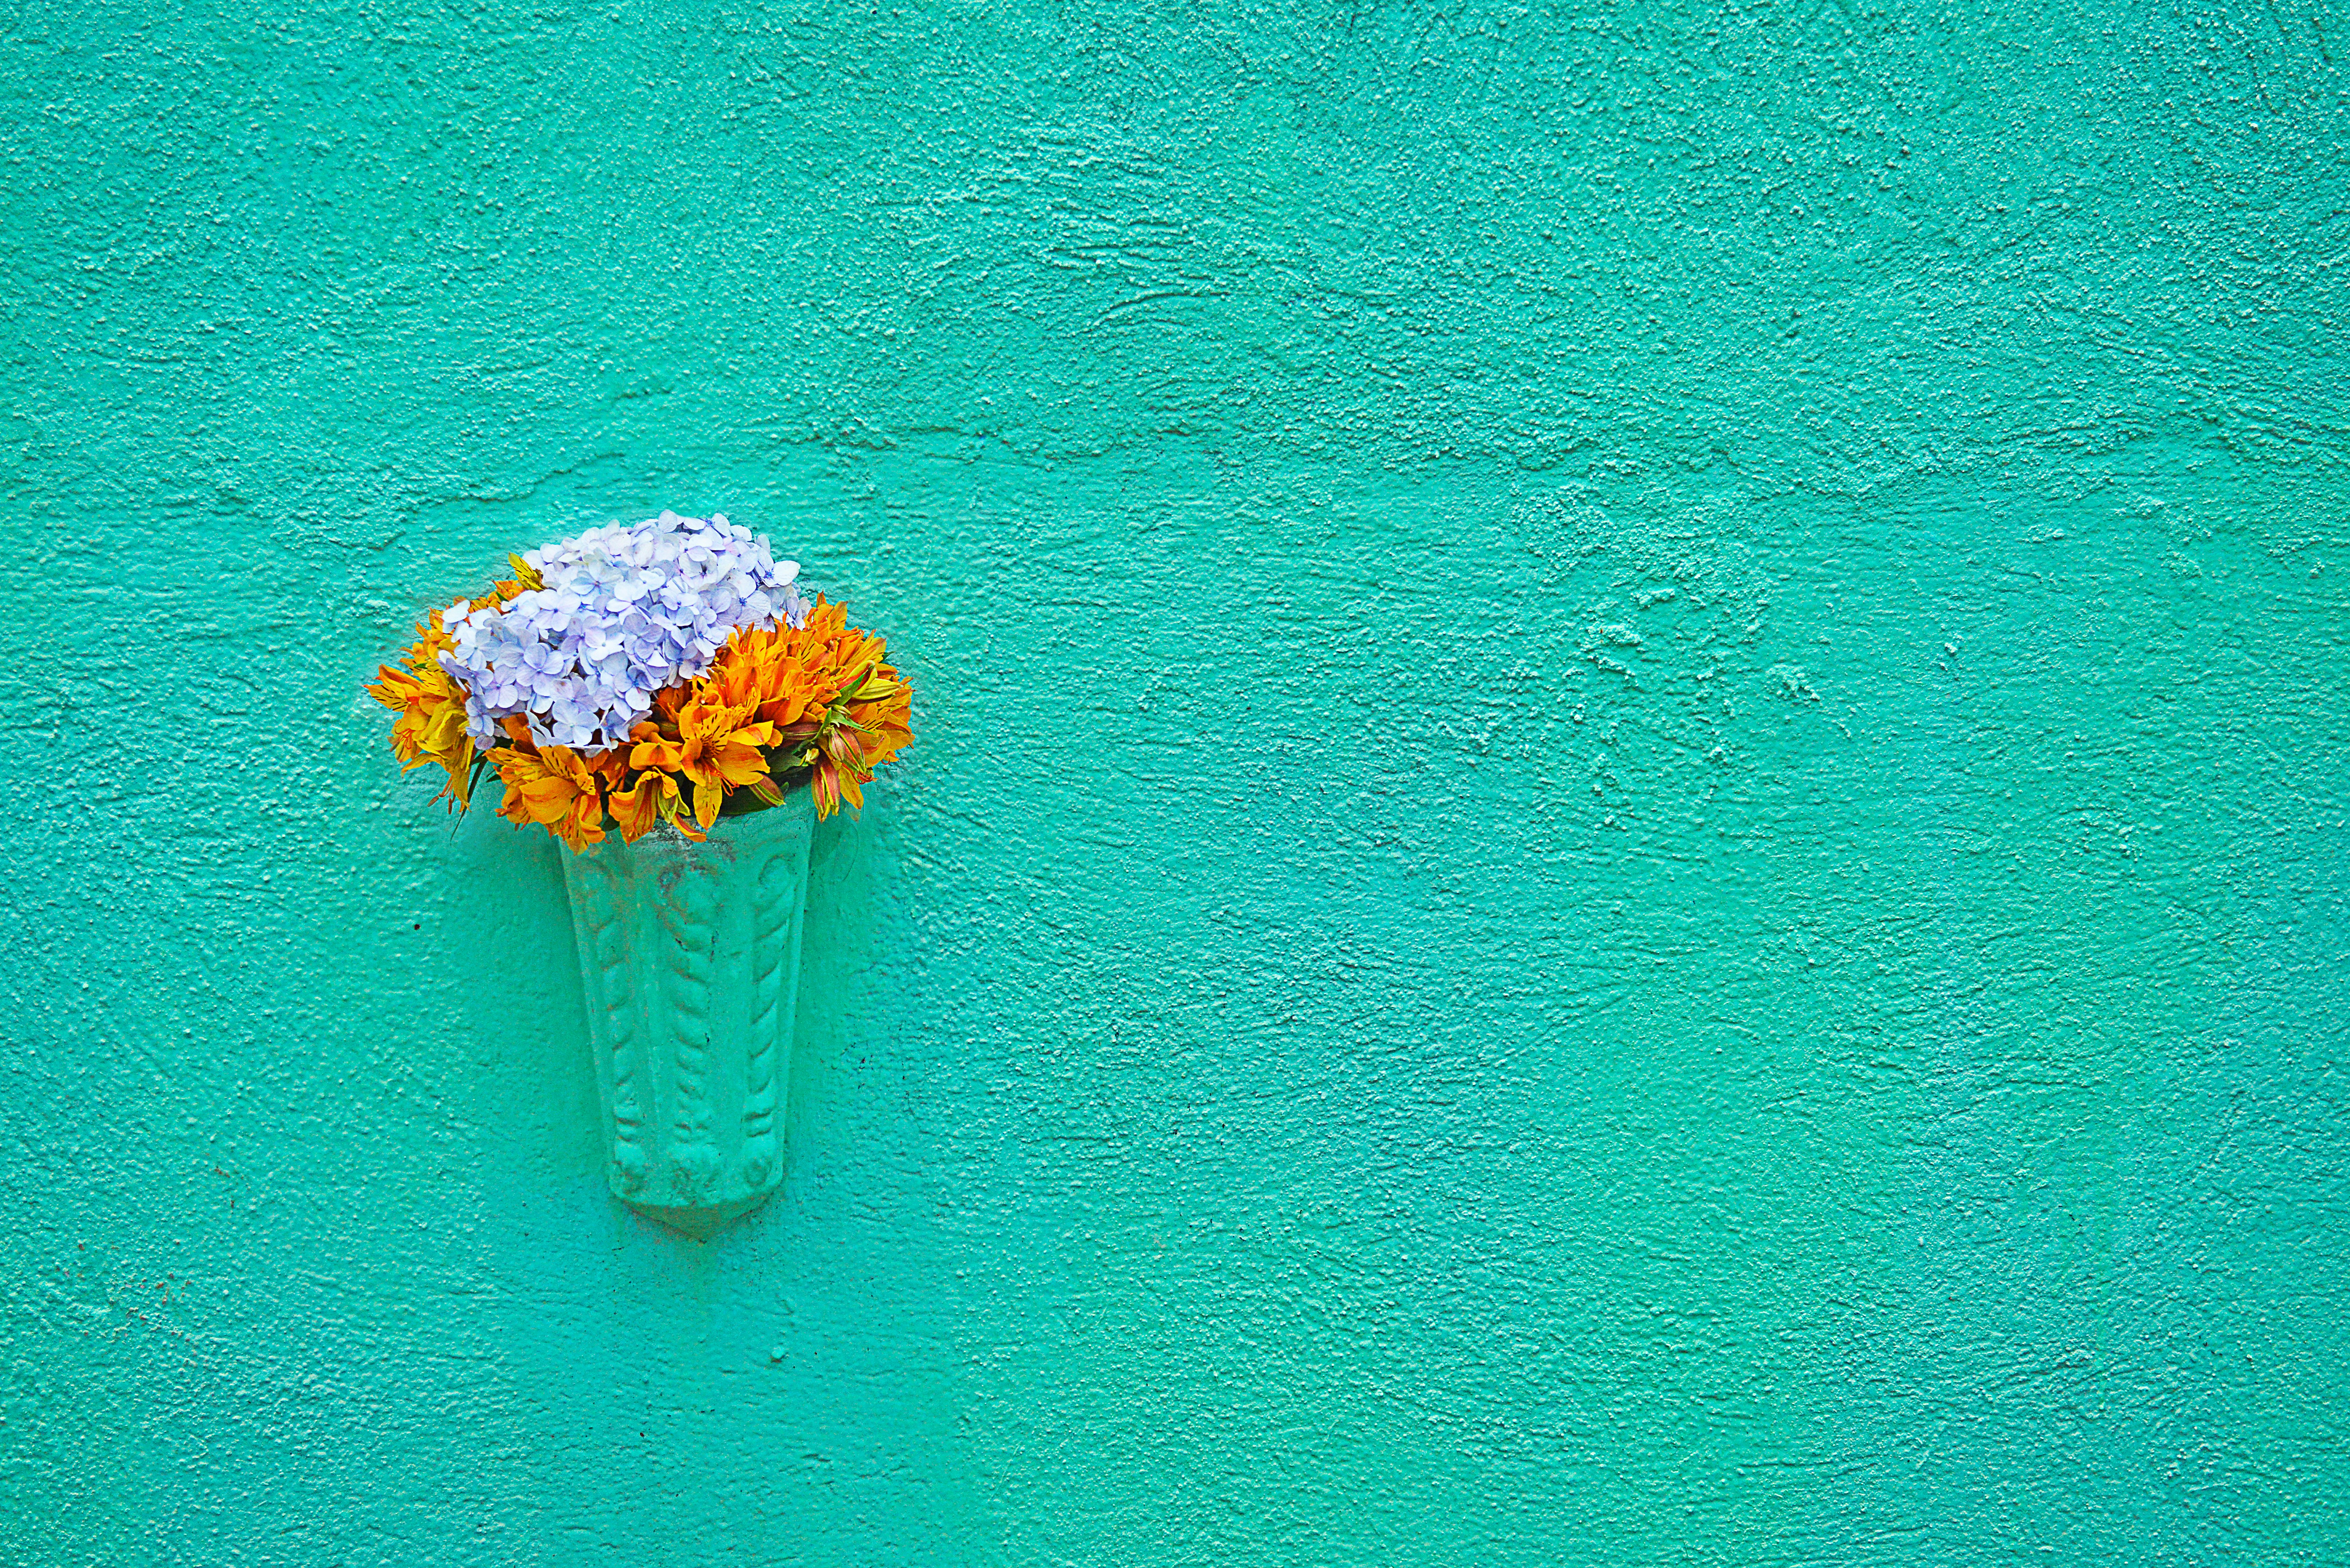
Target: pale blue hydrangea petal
{"x":625,"y":612}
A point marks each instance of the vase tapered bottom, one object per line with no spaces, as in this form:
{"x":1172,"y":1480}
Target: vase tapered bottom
{"x":702,"y":1220}
{"x":690,"y":954}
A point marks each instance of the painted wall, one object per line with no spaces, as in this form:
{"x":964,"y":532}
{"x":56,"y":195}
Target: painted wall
{"x":1628,"y":843}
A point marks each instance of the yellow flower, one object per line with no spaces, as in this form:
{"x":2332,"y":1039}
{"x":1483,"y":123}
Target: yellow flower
{"x":431,"y":706}
{"x":716,"y":747}
{"x":554,"y":787}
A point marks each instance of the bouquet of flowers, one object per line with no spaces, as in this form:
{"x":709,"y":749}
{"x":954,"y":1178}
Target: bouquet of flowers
{"x":666,"y":672}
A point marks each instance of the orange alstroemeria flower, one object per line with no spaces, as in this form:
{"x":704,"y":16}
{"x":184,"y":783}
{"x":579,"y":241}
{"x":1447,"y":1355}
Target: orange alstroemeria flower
{"x":839,"y":773}
{"x":556,"y":787}
{"x":887,"y":724}
{"x":824,"y":683}
{"x":653,"y":801}
{"x":716,"y":747}
{"x":790,"y":675}
{"x":768,"y":671}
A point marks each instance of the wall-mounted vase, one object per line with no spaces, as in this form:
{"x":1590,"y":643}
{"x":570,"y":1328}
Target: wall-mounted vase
{"x":690,"y":957}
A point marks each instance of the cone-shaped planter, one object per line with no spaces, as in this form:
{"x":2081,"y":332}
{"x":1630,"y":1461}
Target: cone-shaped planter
{"x":690,"y":956}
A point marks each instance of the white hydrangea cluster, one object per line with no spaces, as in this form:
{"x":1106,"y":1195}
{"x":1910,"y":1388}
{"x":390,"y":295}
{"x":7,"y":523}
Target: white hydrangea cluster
{"x":625,"y":611}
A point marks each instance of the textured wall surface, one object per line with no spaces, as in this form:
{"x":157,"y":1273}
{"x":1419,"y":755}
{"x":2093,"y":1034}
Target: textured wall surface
{"x":1628,"y":837}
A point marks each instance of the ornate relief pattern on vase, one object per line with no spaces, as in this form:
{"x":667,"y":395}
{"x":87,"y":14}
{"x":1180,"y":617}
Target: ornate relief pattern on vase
{"x":599,"y":907}
{"x":775,"y":970}
{"x":689,"y":956}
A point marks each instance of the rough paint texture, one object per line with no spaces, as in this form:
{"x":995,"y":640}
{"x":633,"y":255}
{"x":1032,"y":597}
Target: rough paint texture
{"x":1626,"y":843}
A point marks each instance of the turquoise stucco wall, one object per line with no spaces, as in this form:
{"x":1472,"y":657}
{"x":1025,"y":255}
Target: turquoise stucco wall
{"x":1626,"y":843}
